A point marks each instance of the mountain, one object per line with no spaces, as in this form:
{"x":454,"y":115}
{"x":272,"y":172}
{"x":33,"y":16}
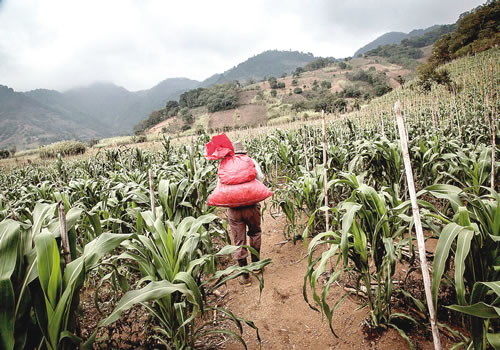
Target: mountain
{"x":103,"y":109}
{"x":41,"y":116}
{"x":394,"y":38}
{"x":26,"y":122}
{"x":266,"y":64}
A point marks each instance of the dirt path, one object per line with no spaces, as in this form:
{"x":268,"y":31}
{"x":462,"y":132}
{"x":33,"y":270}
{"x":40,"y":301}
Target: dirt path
{"x":284,"y":319}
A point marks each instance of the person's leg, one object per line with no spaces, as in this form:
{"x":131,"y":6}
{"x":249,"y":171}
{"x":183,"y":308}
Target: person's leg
{"x":237,"y":228}
{"x":252,"y":219}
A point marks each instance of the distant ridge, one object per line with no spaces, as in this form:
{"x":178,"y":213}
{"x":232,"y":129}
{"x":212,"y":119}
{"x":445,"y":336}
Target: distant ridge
{"x":393,"y":38}
{"x":266,"y":64}
{"x":103,"y":109}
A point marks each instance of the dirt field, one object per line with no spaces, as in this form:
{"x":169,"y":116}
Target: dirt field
{"x":285,"y":320}
{"x":247,"y":114}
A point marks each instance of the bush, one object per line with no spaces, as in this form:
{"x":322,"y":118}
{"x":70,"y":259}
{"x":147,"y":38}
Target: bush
{"x":65,"y":148}
{"x":297,"y":90}
{"x":273,"y":93}
{"x":326,"y":84}
{"x":429,"y":74}
{"x":92,"y":142}
{"x":4,"y":153}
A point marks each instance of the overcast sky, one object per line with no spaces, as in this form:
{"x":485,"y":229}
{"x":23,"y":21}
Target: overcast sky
{"x":59,"y":44}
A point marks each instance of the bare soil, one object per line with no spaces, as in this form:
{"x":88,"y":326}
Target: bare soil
{"x":286,"y":321}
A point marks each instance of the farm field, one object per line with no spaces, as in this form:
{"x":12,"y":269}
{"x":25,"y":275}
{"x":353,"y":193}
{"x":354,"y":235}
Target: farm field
{"x":126,"y":233}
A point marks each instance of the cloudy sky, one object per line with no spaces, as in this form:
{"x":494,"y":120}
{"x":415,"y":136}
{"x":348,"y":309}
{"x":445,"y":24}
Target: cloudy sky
{"x":59,"y":44}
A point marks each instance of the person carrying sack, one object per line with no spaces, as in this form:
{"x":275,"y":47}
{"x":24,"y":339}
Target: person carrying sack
{"x":241,"y":218}
{"x":239,"y":188}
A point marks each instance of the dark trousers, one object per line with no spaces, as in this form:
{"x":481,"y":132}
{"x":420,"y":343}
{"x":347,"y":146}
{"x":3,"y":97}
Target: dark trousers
{"x":239,"y":220}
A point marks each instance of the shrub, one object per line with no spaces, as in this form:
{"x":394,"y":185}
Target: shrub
{"x":326,"y":84}
{"x":297,"y":90}
{"x":65,"y":148}
{"x":273,"y":93}
{"x":4,"y":153}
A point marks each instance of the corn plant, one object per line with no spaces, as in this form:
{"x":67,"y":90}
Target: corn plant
{"x":362,"y":239}
{"x":37,"y":289}
{"x":471,"y":235}
{"x":178,"y":264}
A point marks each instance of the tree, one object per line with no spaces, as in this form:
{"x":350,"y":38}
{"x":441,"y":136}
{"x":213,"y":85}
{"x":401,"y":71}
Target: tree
{"x":326,"y":84}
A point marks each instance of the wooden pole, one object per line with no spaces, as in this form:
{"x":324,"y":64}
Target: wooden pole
{"x":325,"y":177}
{"x":152,"y":193}
{"x":418,"y":226}
{"x":493,"y":130}
{"x":63,"y":228}
{"x":305,"y":151}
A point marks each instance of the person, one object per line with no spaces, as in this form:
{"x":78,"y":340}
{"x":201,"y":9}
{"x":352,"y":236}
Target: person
{"x":241,"y":218}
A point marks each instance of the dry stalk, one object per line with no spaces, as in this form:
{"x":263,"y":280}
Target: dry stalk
{"x":152,"y":194}
{"x":418,"y":226}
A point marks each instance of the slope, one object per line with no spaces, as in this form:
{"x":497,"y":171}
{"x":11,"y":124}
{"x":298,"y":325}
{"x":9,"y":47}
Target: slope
{"x":25,"y":122}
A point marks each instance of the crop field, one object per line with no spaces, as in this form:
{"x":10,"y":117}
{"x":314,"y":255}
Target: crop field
{"x":134,"y":224}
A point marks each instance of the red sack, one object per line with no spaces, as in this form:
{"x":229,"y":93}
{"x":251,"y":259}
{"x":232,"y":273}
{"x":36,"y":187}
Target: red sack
{"x":219,"y":147}
{"x":240,"y":195}
{"x":236,"y":170}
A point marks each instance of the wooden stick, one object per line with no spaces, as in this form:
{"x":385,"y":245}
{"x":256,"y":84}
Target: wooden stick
{"x":325,"y":177}
{"x":64,"y":234}
{"x":305,"y":153}
{"x":152,"y":194}
{"x":418,"y":226}
{"x":493,"y":130}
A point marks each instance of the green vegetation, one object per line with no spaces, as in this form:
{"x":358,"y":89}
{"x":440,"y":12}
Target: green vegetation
{"x":318,"y":64}
{"x":451,"y":148}
{"x":475,"y":32}
{"x":376,"y":79}
{"x":163,"y":255}
{"x":402,"y":55}
{"x":63,"y":148}
{"x":430,"y":37}
{"x":216,"y":98}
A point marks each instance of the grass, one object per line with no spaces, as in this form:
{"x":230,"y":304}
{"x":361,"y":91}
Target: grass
{"x":64,"y":148}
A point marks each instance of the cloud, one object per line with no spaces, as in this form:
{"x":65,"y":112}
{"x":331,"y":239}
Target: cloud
{"x":61,"y":44}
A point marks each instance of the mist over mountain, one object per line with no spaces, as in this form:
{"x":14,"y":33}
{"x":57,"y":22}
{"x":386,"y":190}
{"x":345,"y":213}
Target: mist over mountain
{"x":103,"y":109}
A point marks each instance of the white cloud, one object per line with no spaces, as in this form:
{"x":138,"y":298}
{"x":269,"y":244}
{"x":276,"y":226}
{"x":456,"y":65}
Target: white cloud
{"x":64,"y":43}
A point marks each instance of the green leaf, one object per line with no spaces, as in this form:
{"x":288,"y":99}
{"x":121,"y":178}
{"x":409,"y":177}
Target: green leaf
{"x":494,"y":340}
{"x":446,"y":238}
{"x":463,"y":247}
{"x":480,"y":309}
{"x":153,"y":291}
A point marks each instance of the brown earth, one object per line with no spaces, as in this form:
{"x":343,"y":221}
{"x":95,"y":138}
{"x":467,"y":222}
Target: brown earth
{"x":158,"y":127}
{"x":247,"y":114}
{"x":285,"y":320}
